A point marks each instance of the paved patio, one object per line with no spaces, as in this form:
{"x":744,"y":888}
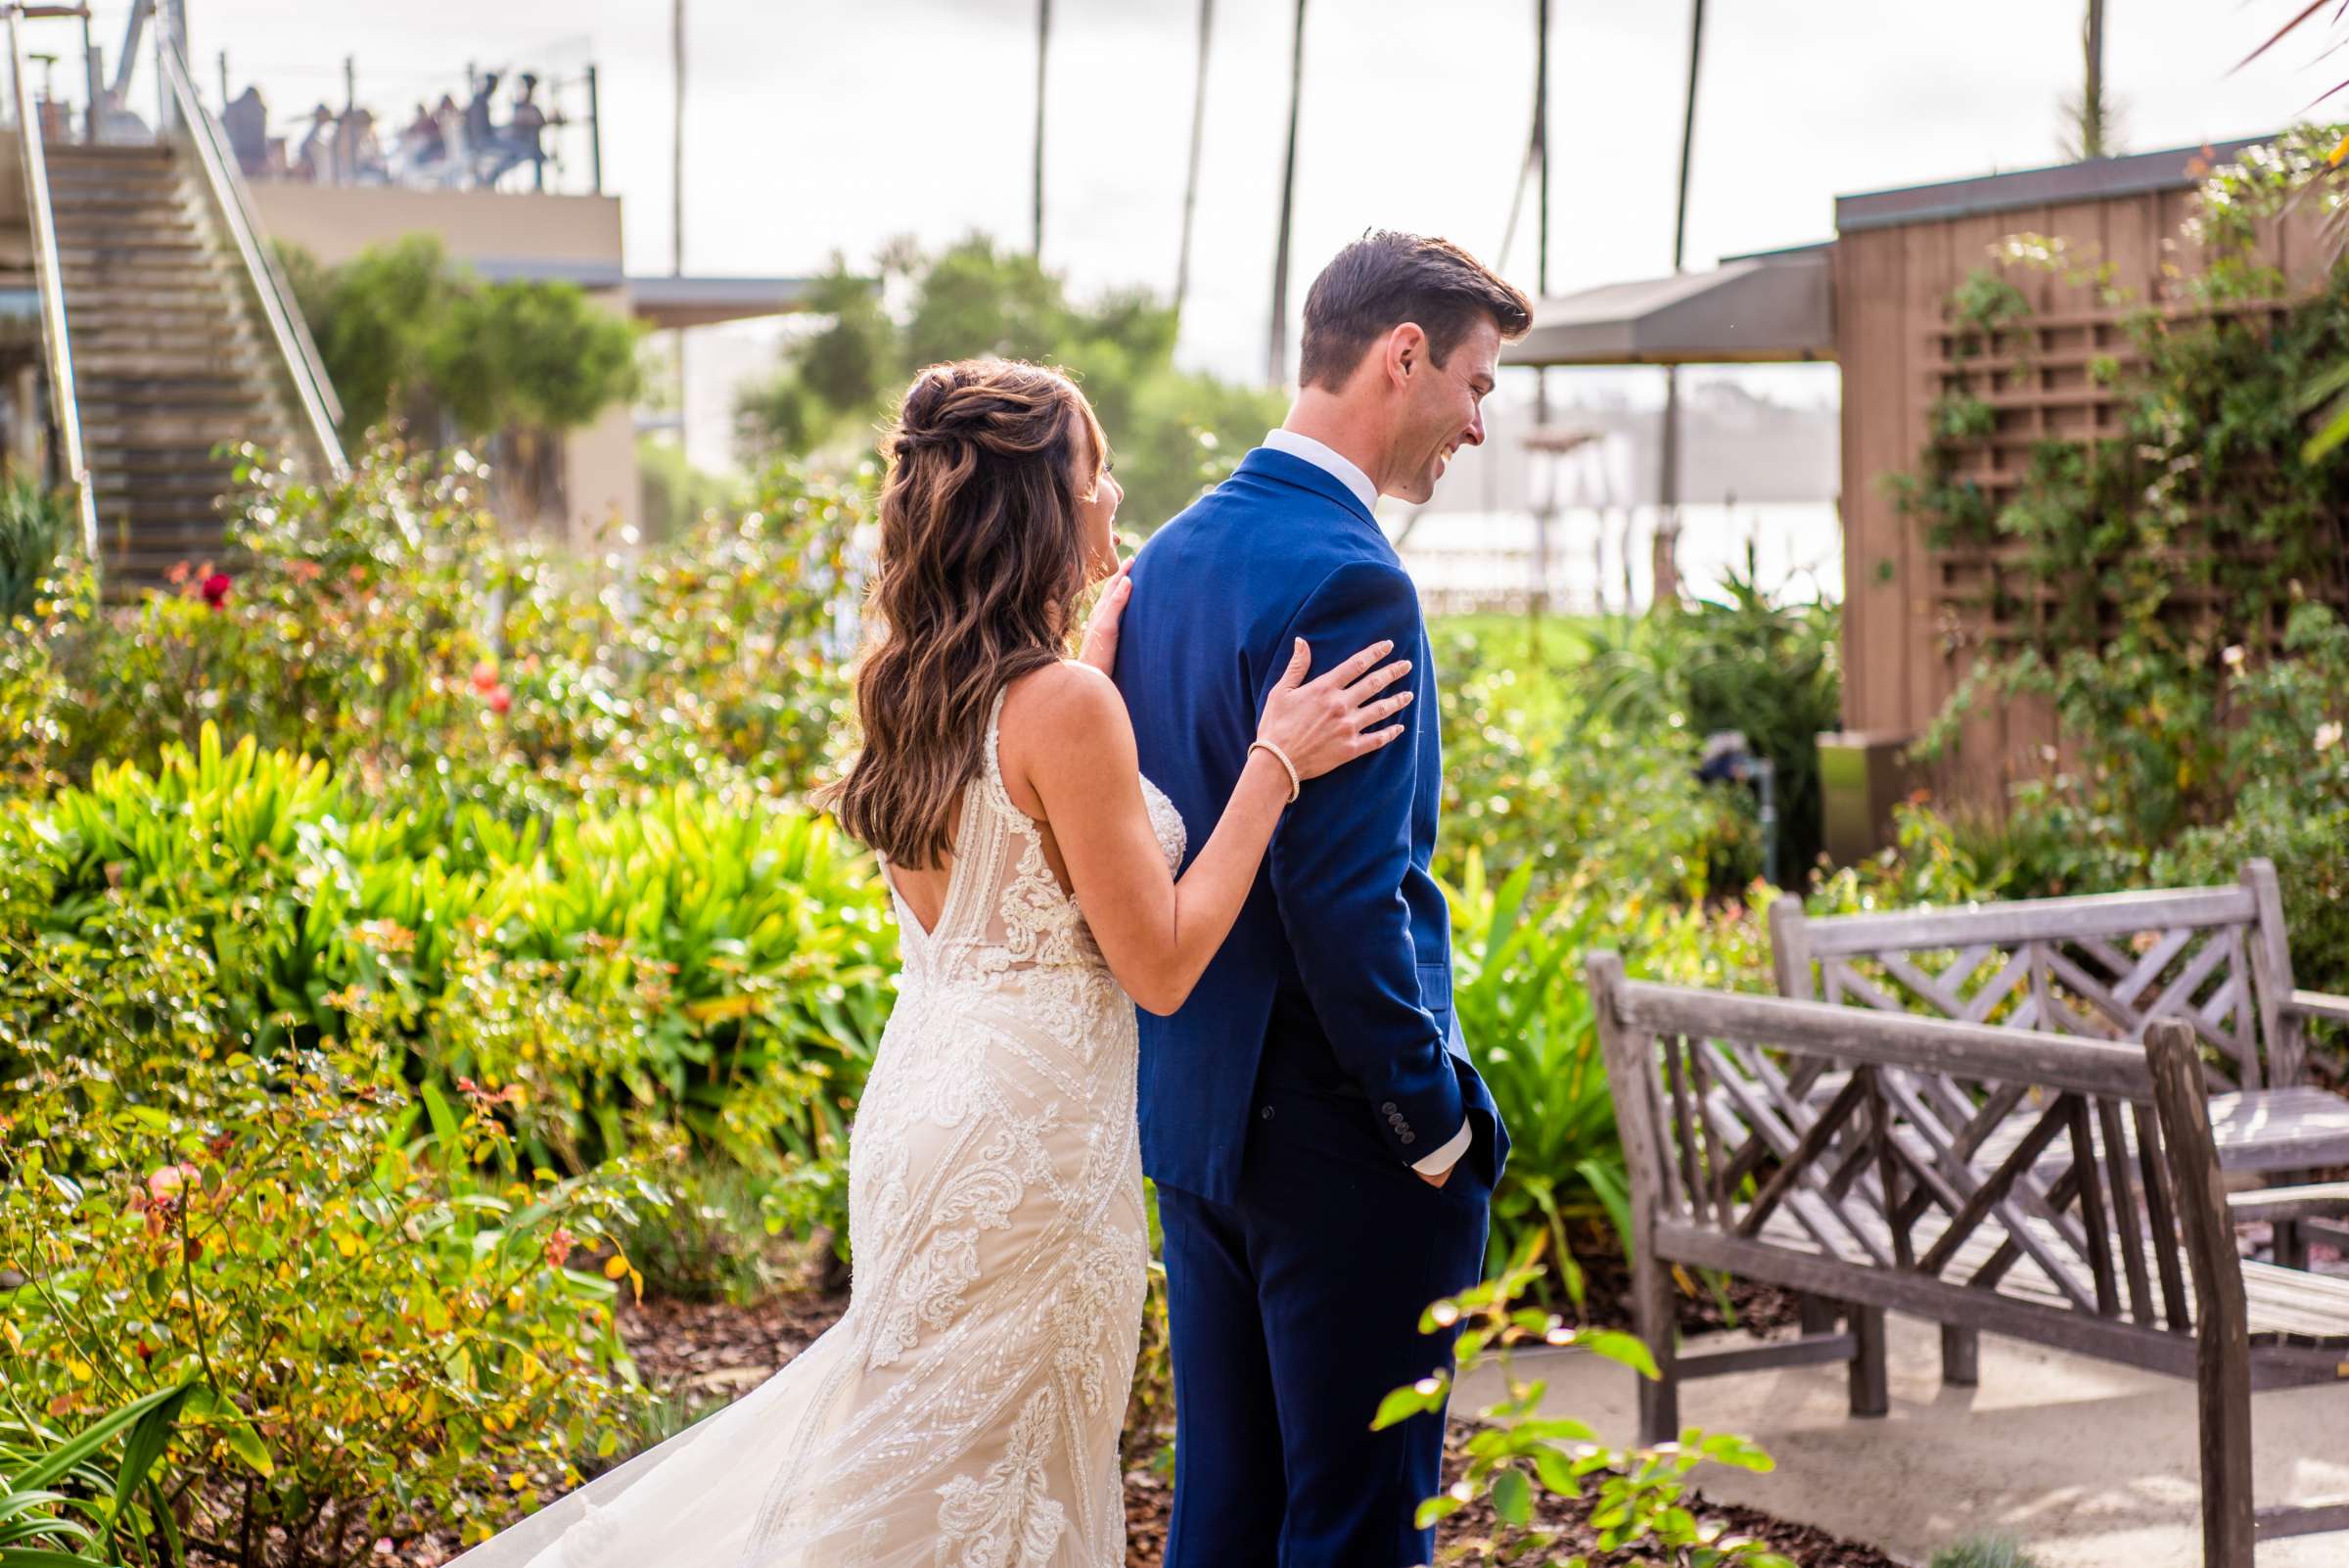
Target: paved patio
{"x":2088,"y":1464}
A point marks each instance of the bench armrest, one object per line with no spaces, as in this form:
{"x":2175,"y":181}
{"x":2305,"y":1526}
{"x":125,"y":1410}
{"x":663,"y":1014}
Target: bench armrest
{"x":2314,"y":1201}
{"x":2319,"y":1005}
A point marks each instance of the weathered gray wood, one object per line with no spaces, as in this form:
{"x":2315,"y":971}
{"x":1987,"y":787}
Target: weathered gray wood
{"x":1797,"y":1161}
{"x":1993,"y":1312}
{"x":2319,"y":1004}
{"x":2271,"y":967}
{"x":1630,"y":1058}
{"x":2161,"y":1214}
{"x":1996,"y":1186}
{"x":2297,"y":1128}
{"x":2222,"y":1325}
{"x":2092,"y":1211}
{"x":1871,"y":1380}
{"x":1923,"y":1044}
{"x":1960,"y":1357}
{"x":2009,"y":1243}
{"x":1790,"y":950}
{"x":2283,"y":1520}
{"x":2310,"y":1201}
{"x":1812,"y":1350}
{"x":2125,"y":1216}
{"x":2031,"y":920}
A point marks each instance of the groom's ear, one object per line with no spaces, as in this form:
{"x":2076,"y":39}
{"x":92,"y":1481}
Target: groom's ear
{"x":1407,"y":352}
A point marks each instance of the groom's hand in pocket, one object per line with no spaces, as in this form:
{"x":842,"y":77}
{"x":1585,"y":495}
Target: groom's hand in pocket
{"x":1438,"y":1178}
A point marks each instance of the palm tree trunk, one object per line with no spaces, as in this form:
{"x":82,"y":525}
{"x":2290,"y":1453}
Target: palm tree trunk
{"x":1537,"y":601}
{"x":2092,"y":94}
{"x":1043,"y":42}
{"x":1190,"y":184}
{"x":1666,"y":587}
{"x":1276,"y":358}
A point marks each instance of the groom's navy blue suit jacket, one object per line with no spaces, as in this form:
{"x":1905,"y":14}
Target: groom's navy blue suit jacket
{"x":1337,"y":976}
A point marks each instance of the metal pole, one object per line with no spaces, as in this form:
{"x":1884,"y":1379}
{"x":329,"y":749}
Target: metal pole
{"x":595,"y":134}
{"x":676,"y":188}
{"x":1276,"y":356}
{"x":1190,"y":184}
{"x":1043,"y":41}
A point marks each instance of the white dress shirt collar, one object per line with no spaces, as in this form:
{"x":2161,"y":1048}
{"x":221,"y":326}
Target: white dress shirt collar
{"x":1329,"y":460}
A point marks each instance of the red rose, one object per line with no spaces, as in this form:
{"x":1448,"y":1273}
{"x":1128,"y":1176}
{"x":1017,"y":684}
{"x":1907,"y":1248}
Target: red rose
{"x":215,"y":589}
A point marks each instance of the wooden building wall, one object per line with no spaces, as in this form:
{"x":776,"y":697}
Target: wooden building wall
{"x":1913,"y":623}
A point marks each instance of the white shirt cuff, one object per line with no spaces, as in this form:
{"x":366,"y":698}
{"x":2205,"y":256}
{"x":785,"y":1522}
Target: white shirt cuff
{"x":1444,"y":1158}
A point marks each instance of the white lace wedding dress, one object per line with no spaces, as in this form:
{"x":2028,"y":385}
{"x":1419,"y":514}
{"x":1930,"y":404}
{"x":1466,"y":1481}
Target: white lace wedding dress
{"x":965,"y":1412}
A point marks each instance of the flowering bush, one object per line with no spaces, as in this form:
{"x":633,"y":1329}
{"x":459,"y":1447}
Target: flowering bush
{"x":390,"y":1324}
{"x":388,"y":623}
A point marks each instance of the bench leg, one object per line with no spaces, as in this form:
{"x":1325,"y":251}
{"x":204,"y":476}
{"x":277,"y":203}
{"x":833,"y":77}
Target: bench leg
{"x":1869,"y":1394}
{"x":2292,"y":1245}
{"x":1819,"y":1315}
{"x":1655,"y":1316}
{"x":1960,"y":1357}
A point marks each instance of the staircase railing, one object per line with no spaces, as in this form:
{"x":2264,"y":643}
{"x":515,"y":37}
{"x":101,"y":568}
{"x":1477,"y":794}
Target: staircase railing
{"x":63,"y":403}
{"x":224,"y":182}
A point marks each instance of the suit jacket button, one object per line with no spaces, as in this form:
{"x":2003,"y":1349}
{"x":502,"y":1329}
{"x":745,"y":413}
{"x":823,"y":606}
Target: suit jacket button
{"x":1387,"y":1109}
{"x":1407,"y":1138}
{"x":1266,"y":1114}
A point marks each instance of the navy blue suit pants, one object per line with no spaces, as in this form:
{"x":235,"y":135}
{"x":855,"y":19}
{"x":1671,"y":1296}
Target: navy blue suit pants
{"x":1294,"y":1311}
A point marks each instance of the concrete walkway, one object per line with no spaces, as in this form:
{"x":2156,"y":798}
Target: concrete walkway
{"x":2088,"y":1464}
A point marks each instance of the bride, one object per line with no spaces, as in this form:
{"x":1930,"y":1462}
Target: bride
{"x":965,"y":1412}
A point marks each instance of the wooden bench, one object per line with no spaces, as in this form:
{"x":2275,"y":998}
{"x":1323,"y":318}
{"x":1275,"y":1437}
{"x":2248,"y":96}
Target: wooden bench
{"x":2104,"y":967}
{"x":1882,"y":1197}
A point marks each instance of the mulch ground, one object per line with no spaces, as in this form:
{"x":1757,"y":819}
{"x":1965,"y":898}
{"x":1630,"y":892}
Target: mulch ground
{"x":720,"y":1351}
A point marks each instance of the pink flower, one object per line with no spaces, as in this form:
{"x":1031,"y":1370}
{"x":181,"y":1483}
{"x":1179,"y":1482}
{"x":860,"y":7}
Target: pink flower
{"x":165,"y":1182}
{"x":484,"y":677}
{"x":559,"y":1245}
{"x":501,"y":699}
{"x":215,"y":589}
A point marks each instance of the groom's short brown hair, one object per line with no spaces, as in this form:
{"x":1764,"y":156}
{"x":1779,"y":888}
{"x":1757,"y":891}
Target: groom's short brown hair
{"x":1384,"y":279}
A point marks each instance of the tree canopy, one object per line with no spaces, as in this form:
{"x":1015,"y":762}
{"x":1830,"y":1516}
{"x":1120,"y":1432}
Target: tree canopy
{"x":405,"y":330}
{"x":1172,"y":432}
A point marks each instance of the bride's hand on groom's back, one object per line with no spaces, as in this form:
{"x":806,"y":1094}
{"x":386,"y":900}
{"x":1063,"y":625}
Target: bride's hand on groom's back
{"x":1328,"y":721}
{"x":1100,"y":646}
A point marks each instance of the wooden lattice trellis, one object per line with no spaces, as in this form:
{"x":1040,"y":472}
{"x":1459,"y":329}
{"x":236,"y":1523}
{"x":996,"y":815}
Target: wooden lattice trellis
{"x":2041,"y":379}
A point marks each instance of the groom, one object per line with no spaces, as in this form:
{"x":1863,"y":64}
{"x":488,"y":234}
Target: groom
{"x":1324,"y":1151}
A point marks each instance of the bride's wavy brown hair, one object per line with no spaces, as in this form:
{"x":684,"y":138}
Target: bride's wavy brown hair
{"x":982,"y":570}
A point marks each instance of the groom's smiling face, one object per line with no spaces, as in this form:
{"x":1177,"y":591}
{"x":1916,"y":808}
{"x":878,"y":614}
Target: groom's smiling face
{"x":1443,"y":410}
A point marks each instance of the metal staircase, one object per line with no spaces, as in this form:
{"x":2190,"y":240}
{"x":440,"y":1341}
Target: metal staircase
{"x":179,"y":336}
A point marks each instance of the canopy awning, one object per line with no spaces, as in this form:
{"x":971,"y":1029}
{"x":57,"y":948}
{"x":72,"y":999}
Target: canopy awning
{"x":703,"y":302}
{"x":1772,"y":308}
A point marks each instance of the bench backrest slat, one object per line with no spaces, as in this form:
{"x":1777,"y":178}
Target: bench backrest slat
{"x":1964,"y":1161}
{"x":2102,"y":966}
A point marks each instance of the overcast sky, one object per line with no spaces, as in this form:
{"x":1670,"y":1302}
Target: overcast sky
{"x":815,"y":125}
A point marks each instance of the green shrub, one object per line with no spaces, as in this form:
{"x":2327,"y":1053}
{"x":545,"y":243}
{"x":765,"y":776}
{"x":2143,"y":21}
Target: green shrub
{"x":1533,"y":777}
{"x":715,"y":969}
{"x":710,"y":1243}
{"x":387,"y":624}
{"x":34,"y":526}
{"x":1525,"y":1011}
{"x":1517,"y":1454}
{"x":380,"y":1304}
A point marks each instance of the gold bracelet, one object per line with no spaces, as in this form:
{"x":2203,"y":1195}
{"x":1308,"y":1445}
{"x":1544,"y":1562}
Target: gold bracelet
{"x":1282,"y":758}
